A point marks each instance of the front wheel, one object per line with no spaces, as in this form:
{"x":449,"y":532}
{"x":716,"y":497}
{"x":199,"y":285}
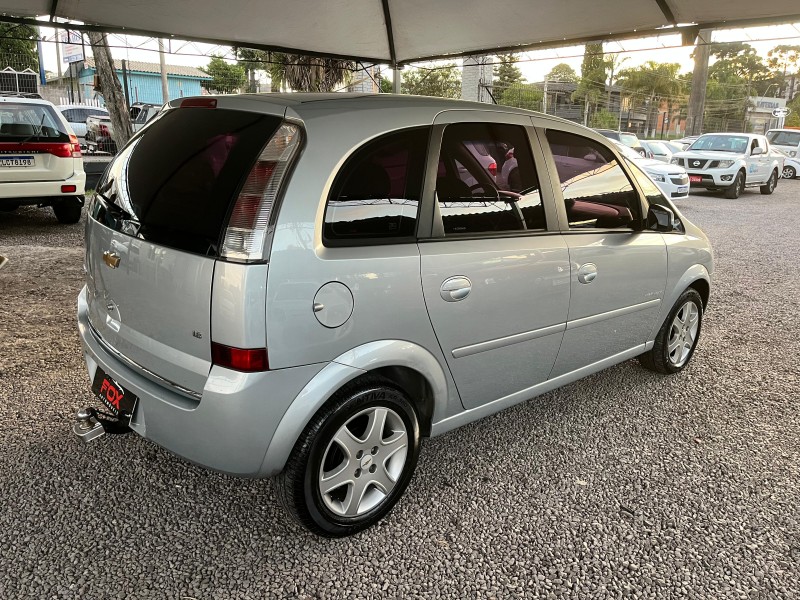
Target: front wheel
{"x":735,"y":190}
{"x":789,"y":172}
{"x":769,"y":187}
{"x":677,"y":338}
{"x":353,"y":461}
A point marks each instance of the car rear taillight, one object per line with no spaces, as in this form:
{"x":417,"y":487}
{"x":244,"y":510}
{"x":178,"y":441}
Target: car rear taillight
{"x":493,"y":169}
{"x":247,"y":225}
{"x":59,"y":149}
{"x":248,"y":360}
{"x":76,"y":146}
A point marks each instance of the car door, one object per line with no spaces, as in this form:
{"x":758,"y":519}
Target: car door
{"x":764,"y":160}
{"x":617,"y":272}
{"x":495,"y":270}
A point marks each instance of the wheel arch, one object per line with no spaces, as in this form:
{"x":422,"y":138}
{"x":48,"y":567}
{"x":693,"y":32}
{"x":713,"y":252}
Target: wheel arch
{"x":695,"y":277}
{"x":408,"y":366}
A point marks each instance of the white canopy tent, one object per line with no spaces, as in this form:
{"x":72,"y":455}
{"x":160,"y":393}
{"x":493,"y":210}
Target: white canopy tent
{"x":402,"y":31}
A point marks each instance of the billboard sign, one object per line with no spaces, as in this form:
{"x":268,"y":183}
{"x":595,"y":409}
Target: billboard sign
{"x":73,"y":46}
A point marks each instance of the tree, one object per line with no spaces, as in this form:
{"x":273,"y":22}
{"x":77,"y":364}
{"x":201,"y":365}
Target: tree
{"x":562,"y":73}
{"x":444,"y":82}
{"x":111,"y":88}
{"x":523,"y":95}
{"x":781,"y":59}
{"x":506,"y":75}
{"x":225,"y":77}
{"x":603,"y":119}
{"x":251,"y":61}
{"x":593,"y":76}
{"x":307,"y":73}
{"x":654,"y":83}
{"x":18,"y":47}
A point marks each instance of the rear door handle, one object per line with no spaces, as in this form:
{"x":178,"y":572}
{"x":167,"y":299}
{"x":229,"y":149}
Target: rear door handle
{"x":455,"y":288}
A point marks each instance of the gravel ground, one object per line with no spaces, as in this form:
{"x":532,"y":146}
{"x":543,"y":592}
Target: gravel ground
{"x":626,"y":484}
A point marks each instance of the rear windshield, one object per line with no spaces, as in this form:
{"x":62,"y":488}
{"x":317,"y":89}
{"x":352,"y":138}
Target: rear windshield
{"x":173,"y":184}
{"x":24,"y":122}
{"x":784,"y":138}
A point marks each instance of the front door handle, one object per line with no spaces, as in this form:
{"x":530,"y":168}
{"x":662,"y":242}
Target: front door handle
{"x":455,"y":289}
{"x":587,"y":273}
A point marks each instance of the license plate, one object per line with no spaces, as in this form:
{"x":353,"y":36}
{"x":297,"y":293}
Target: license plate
{"x":118,"y":400}
{"x":683,"y":189}
{"x":17,"y":161}
{"x":695,"y":178}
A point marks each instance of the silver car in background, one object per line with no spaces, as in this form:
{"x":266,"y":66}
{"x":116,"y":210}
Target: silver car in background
{"x":305,"y":285}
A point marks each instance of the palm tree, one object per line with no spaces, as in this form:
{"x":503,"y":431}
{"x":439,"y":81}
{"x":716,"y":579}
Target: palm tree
{"x":308,"y":74}
{"x":654,"y":82}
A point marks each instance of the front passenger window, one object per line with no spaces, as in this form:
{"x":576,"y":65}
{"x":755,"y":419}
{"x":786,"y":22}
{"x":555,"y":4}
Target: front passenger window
{"x":597,"y":192}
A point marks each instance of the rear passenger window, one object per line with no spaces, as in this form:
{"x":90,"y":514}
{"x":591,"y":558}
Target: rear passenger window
{"x":597,"y":193}
{"x":376,"y":195}
{"x":487,"y":182}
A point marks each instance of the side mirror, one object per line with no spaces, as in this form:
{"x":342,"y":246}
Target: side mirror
{"x":660,"y":218}
{"x":756,"y":151}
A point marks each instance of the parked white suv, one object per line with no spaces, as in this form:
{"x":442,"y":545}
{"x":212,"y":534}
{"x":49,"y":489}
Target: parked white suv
{"x":40,"y":158}
{"x":731,"y":161}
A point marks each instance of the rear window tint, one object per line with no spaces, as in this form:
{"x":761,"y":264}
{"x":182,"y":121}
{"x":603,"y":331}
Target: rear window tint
{"x":30,"y":122}
{"x":177,"y":179}
{"x":376,"y":194}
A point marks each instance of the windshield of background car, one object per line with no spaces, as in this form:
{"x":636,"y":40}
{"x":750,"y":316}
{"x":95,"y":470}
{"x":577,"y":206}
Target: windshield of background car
{"x":629,"y":139}
{"x":784,"y":138}
{"x":21,"y":122}
{"x":721,"y":143}
{"x":174,"y":183}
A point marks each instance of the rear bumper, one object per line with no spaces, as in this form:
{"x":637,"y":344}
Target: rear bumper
{"x":43,"y":189}
{"x":228,"y":430}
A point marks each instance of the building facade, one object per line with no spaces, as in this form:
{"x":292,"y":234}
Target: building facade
{"x":144,"y":81}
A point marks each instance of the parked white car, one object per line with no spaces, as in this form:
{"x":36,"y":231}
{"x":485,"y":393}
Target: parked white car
{"x":731,"y":162}
{"x":791,"y":168}
{"x":785,"y":140}
{"x":672,"y":180}
{"x":659,"y":149}
{"x":40,"y":158}
{"x":76,"y":115}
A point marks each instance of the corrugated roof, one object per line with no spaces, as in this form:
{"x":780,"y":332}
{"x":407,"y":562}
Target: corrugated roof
{"x":146,"y":67}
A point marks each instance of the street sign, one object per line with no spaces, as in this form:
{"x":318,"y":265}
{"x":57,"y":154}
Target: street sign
{"x":781,"y":112}
{"x":73,"y":46}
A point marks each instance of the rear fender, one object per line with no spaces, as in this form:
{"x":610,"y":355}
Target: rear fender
{"x":345,"y":368}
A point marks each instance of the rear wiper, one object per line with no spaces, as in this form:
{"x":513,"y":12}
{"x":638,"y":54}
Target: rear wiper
{"x":35,"y":133}
{"x":114,"y":207}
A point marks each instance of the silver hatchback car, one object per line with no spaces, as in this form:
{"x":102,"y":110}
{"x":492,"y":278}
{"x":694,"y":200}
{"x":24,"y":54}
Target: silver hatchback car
{"x":305,"y":285}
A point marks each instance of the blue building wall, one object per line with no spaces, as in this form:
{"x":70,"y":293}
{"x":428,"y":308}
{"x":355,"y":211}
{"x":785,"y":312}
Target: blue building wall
{"x":144,"y":87}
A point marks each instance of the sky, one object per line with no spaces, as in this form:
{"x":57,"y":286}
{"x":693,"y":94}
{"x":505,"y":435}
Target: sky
{"x":534,"y":65}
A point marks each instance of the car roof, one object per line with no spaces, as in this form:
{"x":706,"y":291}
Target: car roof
{"x":24,"y":100}
{"x":66,"y":106}
{"x":300,"y":101}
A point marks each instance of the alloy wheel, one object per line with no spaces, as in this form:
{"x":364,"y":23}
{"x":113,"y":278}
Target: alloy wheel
{"x":683,"y":333}
{"x":363,"y":462}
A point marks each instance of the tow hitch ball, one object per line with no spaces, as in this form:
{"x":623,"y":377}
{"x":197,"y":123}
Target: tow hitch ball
{"x":90,"y":425}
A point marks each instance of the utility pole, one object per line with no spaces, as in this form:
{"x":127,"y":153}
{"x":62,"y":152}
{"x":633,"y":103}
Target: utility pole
{"x":162,"y":63}
{"x":697,"y":99}
{"x":544,"y":98}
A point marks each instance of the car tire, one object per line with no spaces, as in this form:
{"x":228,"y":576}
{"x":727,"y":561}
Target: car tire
{"x":789,"y":173}
{"x":678,"y":336}
{"x":68,"y":210}
{"x":772,"y":182}
{"x":346,"y":471}
{"x":735,"y":190}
